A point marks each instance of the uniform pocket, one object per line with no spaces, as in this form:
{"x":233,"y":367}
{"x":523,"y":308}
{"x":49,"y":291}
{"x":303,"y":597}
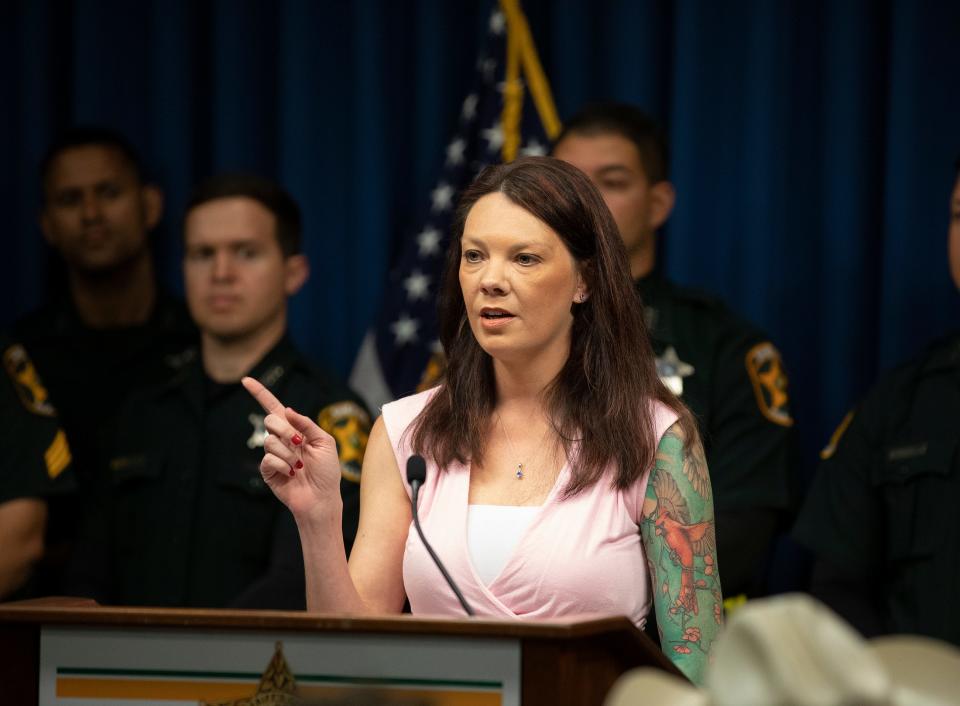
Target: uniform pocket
{"x":245,"y":480}
{"x":913,"y":478}
{"x":246,"y":509}
{"x":130,"y":470}
{"x":135,"y":483}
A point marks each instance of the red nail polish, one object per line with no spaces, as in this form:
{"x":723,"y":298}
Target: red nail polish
{"x":292,"y":473}
{"x":298,"y":465}
{"x":296,"y":439}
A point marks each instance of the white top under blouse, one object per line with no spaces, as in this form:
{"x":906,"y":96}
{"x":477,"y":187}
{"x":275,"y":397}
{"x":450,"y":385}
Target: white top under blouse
{"x":493,"y":532}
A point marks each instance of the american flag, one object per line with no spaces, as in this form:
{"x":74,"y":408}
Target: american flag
{"x":509,"y":112}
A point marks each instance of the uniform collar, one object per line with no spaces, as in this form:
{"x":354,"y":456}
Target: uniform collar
{"x":651,"y":290}
{"x":649,"y":286}
{"x":169,"y":314}
{"x":271,"y":370}
{"x":275,"y":365}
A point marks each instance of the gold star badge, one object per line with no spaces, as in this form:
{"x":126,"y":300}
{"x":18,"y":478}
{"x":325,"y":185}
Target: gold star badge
{"x":277,"y":686}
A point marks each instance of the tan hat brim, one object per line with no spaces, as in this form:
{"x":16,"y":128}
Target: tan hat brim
{"x":650,"y":686}
{"x":924,"y":671}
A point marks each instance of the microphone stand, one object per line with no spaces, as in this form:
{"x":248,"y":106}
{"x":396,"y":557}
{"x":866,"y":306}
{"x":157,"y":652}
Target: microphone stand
{"x":415,"y":487}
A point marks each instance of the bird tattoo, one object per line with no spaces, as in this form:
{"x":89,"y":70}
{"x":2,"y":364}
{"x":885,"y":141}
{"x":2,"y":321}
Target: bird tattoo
{"x":685,"y":539}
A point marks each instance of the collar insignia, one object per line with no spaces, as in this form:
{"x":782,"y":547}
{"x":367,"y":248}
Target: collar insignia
{"x":269,"y":378}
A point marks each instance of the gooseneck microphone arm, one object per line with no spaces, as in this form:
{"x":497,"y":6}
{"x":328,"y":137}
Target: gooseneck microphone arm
{"x":416,"y":475}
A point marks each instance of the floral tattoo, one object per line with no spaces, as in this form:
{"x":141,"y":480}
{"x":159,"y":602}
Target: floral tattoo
{"x":680,"y":541}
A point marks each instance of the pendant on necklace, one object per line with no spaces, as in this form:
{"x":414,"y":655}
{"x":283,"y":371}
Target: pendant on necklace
{"x":519,"y":473}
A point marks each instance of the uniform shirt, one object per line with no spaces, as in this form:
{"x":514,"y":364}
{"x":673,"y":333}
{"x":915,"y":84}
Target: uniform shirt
{"x":35,"y":462}
{"x":733,"y":380}
{"x":184,"y":517}
{"x":88,"y":372}
{"x":883,"y":502}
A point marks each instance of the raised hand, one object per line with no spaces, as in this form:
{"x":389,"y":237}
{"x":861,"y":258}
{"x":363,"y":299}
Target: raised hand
{"x":300,"y":463}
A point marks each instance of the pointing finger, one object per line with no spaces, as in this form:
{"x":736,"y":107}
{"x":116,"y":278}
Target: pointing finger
{"x":262,"y":395}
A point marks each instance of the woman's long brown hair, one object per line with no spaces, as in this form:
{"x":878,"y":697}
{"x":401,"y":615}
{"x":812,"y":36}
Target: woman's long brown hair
{"x":601,"y":402}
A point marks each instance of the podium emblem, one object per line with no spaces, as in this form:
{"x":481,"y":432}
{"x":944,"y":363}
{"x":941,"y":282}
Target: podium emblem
{"x":277,"y":685}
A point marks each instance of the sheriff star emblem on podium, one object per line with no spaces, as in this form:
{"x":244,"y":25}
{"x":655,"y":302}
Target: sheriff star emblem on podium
{"x":671,"y":370}
{"x":277,"y":686}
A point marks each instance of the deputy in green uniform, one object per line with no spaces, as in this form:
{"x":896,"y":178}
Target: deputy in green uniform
{"x":34,"y":466}
{"x":184,"y":518}
{"x":880,"y":515}
{"x":727,"y":371}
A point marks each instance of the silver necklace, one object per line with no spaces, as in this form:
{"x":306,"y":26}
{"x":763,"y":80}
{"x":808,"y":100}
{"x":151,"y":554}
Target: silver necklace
{"x":518,"y":474}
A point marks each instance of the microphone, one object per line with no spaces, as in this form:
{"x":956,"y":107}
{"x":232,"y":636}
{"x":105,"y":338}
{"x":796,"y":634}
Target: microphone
{"x":416,"y":475}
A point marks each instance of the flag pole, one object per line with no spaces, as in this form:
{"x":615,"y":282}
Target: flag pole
{"x":519,"y":28}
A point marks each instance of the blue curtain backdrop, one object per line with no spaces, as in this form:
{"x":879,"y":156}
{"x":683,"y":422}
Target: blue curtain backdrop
{"x":812,"y":145}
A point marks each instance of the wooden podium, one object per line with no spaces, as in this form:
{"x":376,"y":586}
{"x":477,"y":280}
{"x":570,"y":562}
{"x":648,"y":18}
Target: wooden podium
{"x":72,"y":651}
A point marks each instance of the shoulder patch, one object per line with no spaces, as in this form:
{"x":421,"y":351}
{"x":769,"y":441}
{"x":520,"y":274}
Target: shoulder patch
{"x":27,"y":381}
{"x":765,"y":368}
{"x":349,"y":424}
{"x":831,"y":448}
{"x":695,"y":295}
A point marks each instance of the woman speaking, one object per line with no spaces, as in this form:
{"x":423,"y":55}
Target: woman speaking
{"x":562,"y":476}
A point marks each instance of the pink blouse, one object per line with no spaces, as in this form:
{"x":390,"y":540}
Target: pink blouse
{"x":578,"y":556}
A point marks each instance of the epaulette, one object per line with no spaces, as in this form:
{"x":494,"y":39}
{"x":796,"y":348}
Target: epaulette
{"x":51,"y":321}
{"x":323,"y":378}
{"x":717,"y":310}
{"x":181,"y":366}
{"x":698,"y":297}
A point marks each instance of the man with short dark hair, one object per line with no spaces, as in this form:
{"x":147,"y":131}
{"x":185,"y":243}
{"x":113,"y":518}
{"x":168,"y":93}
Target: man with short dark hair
{"x":879,"y":514}
{"x":184,"y":517}
{"x":113,"y":329}
{"x":110,"y":329}
{"x":727,"y":371}
{"x":98,"y":211}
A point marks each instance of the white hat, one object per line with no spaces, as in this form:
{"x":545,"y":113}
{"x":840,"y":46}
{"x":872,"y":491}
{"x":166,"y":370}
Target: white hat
{"x":792,"y":650}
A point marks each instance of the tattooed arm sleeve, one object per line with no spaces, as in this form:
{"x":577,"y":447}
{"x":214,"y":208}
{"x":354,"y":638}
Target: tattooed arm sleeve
{"x":677,"y":527}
